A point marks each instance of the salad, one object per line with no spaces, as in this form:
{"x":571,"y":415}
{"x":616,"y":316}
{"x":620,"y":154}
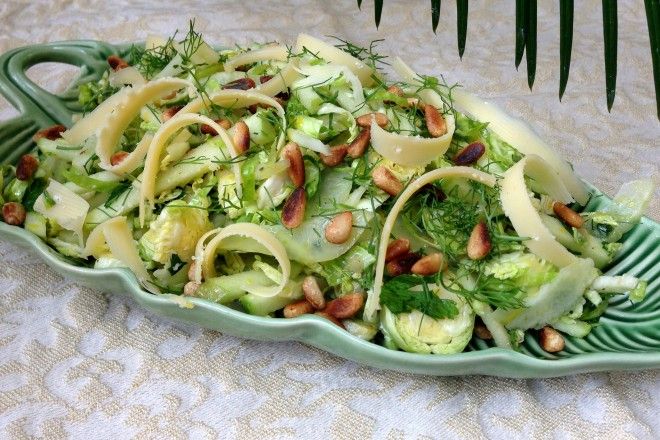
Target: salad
{"x":292,"y":180}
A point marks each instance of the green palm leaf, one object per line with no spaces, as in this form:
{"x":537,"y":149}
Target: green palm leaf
{"x":521,"y":24}
{"x":653,"y":21}
{"x":610,"y":37}
{"x":530,"y":42}
{"x":526,"y":29}
{"x":461,"y":24}
{"x":378,"y":11}
{"x":566,"y":8}
{"x":435,"y":14}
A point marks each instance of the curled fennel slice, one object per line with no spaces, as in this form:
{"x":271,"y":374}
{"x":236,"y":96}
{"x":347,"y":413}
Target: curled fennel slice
{"x":373,"y":300}
{"x":152,"y":162}
{"x":64,"y":206}
{"x":128,"y":109}
{"x":267,"y":243}
{"x":524,"y":217}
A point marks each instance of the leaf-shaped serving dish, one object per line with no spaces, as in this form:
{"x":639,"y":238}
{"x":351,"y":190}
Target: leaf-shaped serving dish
{"x":628,"y":337}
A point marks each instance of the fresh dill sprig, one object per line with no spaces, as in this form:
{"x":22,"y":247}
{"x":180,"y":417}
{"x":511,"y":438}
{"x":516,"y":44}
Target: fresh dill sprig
{"x":366,"y":54}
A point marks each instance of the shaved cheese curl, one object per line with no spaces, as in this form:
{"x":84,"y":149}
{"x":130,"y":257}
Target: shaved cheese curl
{"x":152,"y":162}
{"x":281,"y":81}
{"x":373,"y":300}
{"x":410,"y":151}
{"x":261,"y":236}
{"x":90,"y":123}
{"x":124,"y":113}
{"x":511,"y":130}
{"x":116,"y":234}
{"x":334,"y":55}
{"x":524,"y":217}
{"x":278,"y":53}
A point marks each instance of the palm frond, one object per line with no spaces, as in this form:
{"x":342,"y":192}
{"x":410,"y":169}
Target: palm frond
{"x":526,"y":38}
{"x":610,"y":40}
{"x":461,"y":24}
{"x":435,"y":14}
{"x":653,"y":22}
{"x":566,"y":8}
{"x":530,"y":42}
{"x":521,"y":24}
{"x":378,"y":11}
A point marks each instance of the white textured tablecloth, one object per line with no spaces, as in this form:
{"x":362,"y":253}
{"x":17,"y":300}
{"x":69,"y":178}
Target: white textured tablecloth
{"x":74,"y":362}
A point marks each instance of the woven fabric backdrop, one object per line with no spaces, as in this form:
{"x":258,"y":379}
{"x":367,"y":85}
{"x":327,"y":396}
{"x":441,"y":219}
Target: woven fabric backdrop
{"x":75,"y":362}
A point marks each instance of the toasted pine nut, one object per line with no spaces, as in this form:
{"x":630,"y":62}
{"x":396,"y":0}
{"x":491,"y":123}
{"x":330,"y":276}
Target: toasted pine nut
{"x":395,"y":90}
{"x":551,"y":340}
{"x":428,"y":265}
{"x":470,"y":154}
{"x":26,"y":167}
{"x":293,"y":211}
{"x":240,"y":84}
{"x":207,"y":129}
{"x":13,"y":213}
{"x":386,"y":180}
{"x":118,"y":157}
{"x":297,"y":308}
{"x":313,"y":293}
{"x":413,"y":102}
{"x":296,"y":164}
{"x":435,"y":122}
{"x":339,"y":229}
{"x":365,"y":120}
{"x":170,"y":112}
{"x":330,"y":318}
{"x":191,"y":270}
{"x":336,"y":156}
{"x":116,"y":62}
{"x":360,"y":143}
{"x":401,"y":265}
{"x":482,"y":332}
{"x":345,"y":306}
{"x":190,"y":288}
{"x":241,"y":137}
{"x":568,"y":216}
{"x":50,"y":133}
{"x":479,"y":244}
{"x":397,"y":248}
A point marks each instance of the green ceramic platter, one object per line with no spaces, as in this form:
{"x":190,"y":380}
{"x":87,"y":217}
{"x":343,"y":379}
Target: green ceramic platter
{"x":627,"y":339}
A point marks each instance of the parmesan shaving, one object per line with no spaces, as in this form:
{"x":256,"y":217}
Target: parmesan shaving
{"x":410,"y":151}
{"x":278,"y":53}
{"x":373,"y":300}
{"x":88,"y":125}
{"x":511,"y":130}
{"x":127,"y":76}
{"x":127,"y":110}
{"x":253,"y":232}
{"x":524,"y":217}
{"x":281,"y":81}
{"x":114,"y":234}
{"x":152,"y":161}
{"x":334,"y":55}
